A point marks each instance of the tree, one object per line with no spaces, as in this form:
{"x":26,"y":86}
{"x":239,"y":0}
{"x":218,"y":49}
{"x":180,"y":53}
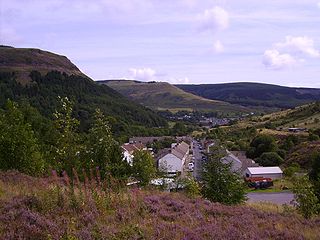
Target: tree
{"x":192,"y":188}
{"x":314,"y":174}
{"x":117,"y":167}
{"x":103,"y":152}
{"x":19,"y":148}
{"x":66,"y":150}
{"x":260,"y":144}
{"x":220,"y":183}
{"x":307,"y":201}
{"x":143,"y":167}
{"x":99,"y":144}
{"x":269,"y":159}
{"x":179,"y":129}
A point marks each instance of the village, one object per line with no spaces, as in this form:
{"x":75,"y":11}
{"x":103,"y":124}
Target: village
{"x":186,"y":156}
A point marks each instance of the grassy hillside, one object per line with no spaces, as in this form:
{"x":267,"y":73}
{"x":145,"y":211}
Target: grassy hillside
{"x":305,"y":116}
{"x":24,"y":60}
{"x":49,"y":208}
{"x":48,"y":76}
{"x":164,"y":96}
{"x":255,"y":94}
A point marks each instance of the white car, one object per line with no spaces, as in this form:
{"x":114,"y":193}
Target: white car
{"x":191,"y":166}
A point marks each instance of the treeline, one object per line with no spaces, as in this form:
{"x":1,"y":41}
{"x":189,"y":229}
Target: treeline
{"x":31,"y":144}
{"x":124,"y":116}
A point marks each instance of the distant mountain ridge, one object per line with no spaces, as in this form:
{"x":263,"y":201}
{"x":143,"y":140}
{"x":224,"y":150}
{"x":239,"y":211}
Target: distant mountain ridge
{"x":39,"y":77}
{"x":255,"y":94}
{"x":164,"y":96}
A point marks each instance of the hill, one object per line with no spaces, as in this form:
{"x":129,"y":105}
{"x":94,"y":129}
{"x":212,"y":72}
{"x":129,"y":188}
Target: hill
{"x":24,"y":60}
{"x":305,"y":116}
{"x":164,"y":96}
{"x":255,"y":94}
{"x":46,"y":208}
{"x":45,"y":83}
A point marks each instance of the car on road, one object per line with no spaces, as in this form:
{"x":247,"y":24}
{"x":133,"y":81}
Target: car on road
{"x":191,"y":166}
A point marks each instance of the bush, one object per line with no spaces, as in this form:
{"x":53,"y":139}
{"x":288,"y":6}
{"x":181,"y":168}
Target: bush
{"x":19,"y":148}
{"x":220,"y":183}
{"x":307,"y":201}
{"x":291,"y":170}
{"x":260,"y":144}
{"x":269,"y":159}
{"x":143,"y":167}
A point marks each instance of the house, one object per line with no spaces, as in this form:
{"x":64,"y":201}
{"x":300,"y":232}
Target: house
{"x":172,"y":160}
{"x":245,"y":161}
{"x":236,"y":164}
{"x":238,"y":160}
{"x":265,"y":172}
{"x":129,"y":148}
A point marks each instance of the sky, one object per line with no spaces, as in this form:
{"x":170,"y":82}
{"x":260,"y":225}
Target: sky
{"x":178,"y":41}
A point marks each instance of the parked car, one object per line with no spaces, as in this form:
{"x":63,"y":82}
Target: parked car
{"x":191,"y":166}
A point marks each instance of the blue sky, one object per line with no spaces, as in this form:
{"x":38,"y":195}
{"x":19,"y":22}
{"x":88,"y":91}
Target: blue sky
{"x":179,"y":41}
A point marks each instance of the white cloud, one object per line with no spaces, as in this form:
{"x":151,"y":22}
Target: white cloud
{"x":318,"y":4}
{"x":144,"y":74}
{"x":289,"y":52}
{"x":274,"y":60}
{"x":214,"y":19}
{"x":298,"y":45}
{"x":218,"y":47}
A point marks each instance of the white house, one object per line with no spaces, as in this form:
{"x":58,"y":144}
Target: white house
{"x":174,"y":159}
{"x":235,"y":162}
{"x":129,"y":148}
{"x":266,"y":172}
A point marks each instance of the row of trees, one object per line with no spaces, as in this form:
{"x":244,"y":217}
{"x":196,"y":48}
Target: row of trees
{"x":32,"y":144}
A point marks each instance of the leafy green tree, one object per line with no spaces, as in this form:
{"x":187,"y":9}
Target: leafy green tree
{"x":192,"y":188}
{"x":99,"y":144}
{"x":314,"y":174}
{"x":260,"y":144}
{"x":19,"y":148}
{"x":220,"y":183}
{"x":143,"y":167}
{"x":179,"y":129}
{"x":291,"y":170}
{"x":103,"y":152}
{"x":307,"y":201}
{"x":117,"y":167}
{"x":66,"y":150}
{"x":269,"y":159}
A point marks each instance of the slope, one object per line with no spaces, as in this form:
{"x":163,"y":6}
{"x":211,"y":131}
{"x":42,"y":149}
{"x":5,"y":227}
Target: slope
{"x":24,"y":60}
{"x":44,"y":84}
{"x":164,"y":96}
{"x":255,"y":94}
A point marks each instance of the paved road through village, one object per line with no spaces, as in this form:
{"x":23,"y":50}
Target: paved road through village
{"x":197,"y":161}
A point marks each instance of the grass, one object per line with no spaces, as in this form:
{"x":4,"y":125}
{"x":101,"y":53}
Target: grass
{"x":49,"y":208}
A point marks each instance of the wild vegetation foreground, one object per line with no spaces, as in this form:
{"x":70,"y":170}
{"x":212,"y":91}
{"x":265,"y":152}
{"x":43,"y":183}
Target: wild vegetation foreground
{"x":58,"y":208}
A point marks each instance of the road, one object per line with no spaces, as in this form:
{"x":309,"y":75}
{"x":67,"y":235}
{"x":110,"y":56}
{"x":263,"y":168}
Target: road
{"x":277,"y":198}
{"x":197,"y":161}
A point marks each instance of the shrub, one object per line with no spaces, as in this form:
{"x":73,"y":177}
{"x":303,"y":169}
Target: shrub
{"x":19,"y":148}
{"x":221,"y":184}
{"x":269,"y":159}
{"x":306,"y":200}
